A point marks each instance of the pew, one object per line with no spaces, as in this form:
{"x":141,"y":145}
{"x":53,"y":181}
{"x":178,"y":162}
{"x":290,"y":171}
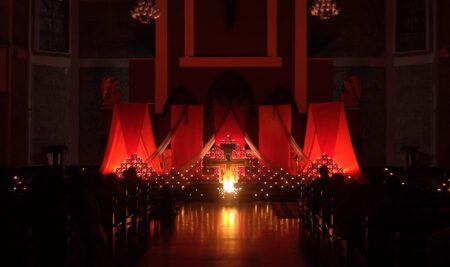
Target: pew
{"x":116,"y":229}
{"x":128,"y":221}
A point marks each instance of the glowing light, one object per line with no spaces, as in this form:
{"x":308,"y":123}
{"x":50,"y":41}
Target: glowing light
{"x":143,"y":170}
{"x":228,"y":187}
{"x":228,"y":216}
{"x":145,"y":11}
{"x":312,"y":172}
{"x":324,"y":9}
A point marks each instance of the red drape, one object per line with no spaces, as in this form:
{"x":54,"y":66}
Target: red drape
{"x":131,"y":132}
{"x":187,"y":140}
{"x":232,"y":120}
{"x":274,"y":133}
{"x":327,"y":132}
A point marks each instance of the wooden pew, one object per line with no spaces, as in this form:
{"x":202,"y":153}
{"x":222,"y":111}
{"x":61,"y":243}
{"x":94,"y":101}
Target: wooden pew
{"x":361,"y":254}
{"x":140,"y":228}
{"x":128,"y":221}
{"x":116,"y":229}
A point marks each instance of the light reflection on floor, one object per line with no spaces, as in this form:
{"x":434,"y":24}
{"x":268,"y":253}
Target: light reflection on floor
{"x":216,"y":234}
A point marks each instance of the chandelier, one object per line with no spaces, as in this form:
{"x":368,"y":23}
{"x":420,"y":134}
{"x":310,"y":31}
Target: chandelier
{"x":145,"y":11}
{"x":324,"y":9}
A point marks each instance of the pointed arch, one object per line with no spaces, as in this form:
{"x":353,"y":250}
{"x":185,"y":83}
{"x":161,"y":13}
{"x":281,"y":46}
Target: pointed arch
{"x":229,"y":88}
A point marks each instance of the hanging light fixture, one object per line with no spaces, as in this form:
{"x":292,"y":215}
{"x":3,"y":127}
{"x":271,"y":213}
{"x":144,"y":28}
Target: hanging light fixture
{"x":145,"y":11}
{"x":324,"y":9}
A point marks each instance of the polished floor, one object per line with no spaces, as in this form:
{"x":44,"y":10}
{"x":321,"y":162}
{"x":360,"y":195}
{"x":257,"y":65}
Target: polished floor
{"x":228,"y":235}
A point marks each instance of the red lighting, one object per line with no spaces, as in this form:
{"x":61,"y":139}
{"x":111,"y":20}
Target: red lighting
{"x":312,"y":172}
{"x":143,"y":170}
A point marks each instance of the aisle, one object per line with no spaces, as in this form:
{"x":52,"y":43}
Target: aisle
{"x":214,"y":234}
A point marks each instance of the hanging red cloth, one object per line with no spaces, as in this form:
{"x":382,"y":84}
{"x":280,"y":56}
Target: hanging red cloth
{"x":274,"y":135}
{"x":187,"y":140}
{"x":327,"y":132}
{"x":230,"y":121}
{"x":131,"y":132}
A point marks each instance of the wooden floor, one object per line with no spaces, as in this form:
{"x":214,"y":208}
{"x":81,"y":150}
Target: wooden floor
{"x":228,"y":235}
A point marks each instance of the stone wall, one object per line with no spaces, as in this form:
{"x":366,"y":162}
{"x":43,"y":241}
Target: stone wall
{"x":49,"y":114}
{"x":366,"y":123}
{"x":443,"y":114}
{"x":443,"y":87}
{"x":94,"y":120}
{"x":414,"y":114}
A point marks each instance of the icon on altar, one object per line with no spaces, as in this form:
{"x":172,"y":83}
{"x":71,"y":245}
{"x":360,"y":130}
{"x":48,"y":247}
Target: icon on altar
{"x":228,"y":168}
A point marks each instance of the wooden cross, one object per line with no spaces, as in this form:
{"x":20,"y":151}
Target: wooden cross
{"x":227,"y":164}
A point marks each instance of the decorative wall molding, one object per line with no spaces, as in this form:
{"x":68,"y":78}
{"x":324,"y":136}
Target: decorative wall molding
{"x":104,"y":62}
{"x":161,"y":58}
{"x":414,"y":60}
{"x":360,"y":62}
{"x":407,"y":60}
{"x":190,"y":60}
{"x":58,"y":61}
{"x":49,"y":60}
{"x":253,"y":62}
{"x":300,"y":68}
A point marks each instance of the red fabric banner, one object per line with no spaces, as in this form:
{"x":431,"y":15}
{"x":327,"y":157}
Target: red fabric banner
{"x":327,"y":132}
{"x":228,"y":121}
{"x":327,"y":129}
{"x":274,"y":134}
{"x":131,"y":119}
{"x":131,"y":132}
{"x":187,"y":140}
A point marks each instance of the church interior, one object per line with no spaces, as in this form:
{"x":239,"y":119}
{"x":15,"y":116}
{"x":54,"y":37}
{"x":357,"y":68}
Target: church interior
{"x":225,"y":133}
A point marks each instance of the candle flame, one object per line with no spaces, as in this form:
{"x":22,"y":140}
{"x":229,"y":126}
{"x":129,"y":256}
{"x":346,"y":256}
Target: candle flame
{"x":228,"y":181}
{"x":228,"y":186}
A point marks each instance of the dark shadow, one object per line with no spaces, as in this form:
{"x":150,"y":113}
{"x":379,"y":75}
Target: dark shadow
{"x":230,"y":88}
{"x":281,"y":96}
{"x":179,"y":96}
